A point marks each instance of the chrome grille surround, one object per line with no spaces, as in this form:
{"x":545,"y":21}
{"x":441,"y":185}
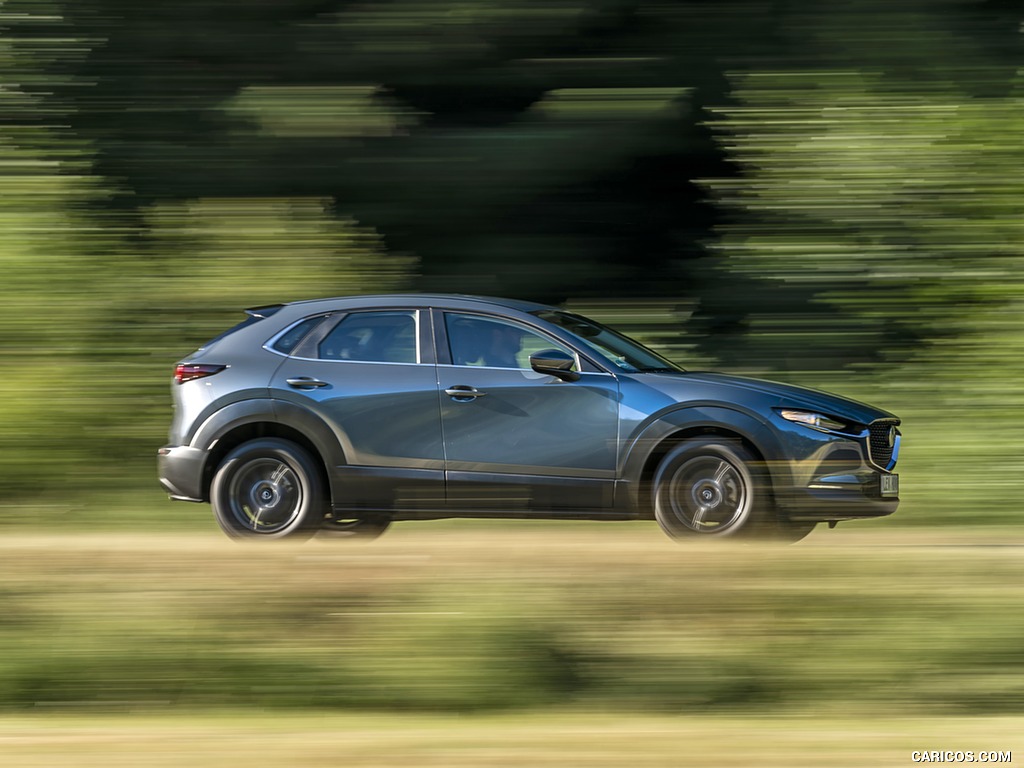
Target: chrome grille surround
{"x":883,"y":443}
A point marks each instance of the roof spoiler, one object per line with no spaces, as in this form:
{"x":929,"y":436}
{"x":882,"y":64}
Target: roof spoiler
{"x":262,"y":313}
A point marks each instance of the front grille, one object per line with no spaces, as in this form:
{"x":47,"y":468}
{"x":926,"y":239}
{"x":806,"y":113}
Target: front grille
{"x":879,"y":434}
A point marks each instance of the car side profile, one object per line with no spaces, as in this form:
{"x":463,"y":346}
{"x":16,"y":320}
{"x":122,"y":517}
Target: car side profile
{"x":347,"y":414}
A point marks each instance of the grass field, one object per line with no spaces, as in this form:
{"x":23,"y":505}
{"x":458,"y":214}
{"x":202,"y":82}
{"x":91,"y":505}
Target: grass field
{"x":479,"y":643}
{"x":562,"y":740}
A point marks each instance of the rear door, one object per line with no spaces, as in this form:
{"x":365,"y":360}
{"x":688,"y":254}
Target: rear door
{"x":370,"y":375}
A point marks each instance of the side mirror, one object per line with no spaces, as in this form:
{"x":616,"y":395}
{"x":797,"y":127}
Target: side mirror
{"x":555,"y":362}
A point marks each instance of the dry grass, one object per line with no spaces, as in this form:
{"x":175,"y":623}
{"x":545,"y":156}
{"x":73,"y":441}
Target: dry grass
{"x":318,"y":740}
{"x":496,"y":645}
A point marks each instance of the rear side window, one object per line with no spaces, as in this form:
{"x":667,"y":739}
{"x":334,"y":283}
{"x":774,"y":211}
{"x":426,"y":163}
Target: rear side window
{"x":372,"y":337}
{"x":290,"y":339}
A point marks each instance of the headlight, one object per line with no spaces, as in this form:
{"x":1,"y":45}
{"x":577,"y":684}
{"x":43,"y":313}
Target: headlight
{"x":816,"y":420}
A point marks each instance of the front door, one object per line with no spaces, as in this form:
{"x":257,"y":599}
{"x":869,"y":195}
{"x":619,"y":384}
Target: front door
{"x":515,"y":439}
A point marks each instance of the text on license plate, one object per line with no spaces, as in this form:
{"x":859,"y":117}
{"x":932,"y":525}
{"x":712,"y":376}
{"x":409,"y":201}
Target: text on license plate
{"x":890,"y":485}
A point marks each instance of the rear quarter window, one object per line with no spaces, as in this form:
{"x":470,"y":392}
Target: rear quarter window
{"x":291,"y":338}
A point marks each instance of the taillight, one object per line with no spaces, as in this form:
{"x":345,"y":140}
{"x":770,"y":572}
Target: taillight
{"x":183,"y":373}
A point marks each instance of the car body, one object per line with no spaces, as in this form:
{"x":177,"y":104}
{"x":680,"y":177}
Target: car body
{"x":346,"y":414}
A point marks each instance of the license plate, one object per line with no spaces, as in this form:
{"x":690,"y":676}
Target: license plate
{"x":890,"y":485}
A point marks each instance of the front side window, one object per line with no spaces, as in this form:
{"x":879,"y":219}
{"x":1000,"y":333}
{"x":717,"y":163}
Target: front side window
{"x":623,"y":352}
{"x":494,"y":343}
{"x":372,"y":337}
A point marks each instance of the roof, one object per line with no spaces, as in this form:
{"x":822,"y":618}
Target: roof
{"x":453,"y":300}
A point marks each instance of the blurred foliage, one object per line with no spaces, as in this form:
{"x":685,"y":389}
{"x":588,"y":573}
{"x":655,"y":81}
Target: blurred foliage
{"x":456,"y":622}
{"x":795,"y":188}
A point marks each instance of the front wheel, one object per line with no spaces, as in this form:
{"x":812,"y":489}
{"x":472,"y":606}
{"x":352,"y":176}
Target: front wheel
{"x":364,"y":526}
{"x":268,"y":489}
{"x":710,"y":488}
{"x":791,"y":533}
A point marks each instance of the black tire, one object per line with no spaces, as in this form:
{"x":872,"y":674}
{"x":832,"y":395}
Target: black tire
{"x":268,"y":489}
{"x":365,"y":527}
{"x":712,"y":488}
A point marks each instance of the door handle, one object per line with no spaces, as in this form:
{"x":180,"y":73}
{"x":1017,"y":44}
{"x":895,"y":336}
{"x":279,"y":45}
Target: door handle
{"x":305,"y":382}
{"x":462,"y":392}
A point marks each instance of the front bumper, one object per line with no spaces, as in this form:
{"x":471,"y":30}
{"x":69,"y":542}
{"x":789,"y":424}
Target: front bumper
{"x":180,"y":469}
{"x":838,"y":476}
{"x":848,"y":496}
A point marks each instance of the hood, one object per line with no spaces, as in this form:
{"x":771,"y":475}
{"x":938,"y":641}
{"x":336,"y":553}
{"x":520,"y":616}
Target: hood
{"x":788,"y":395}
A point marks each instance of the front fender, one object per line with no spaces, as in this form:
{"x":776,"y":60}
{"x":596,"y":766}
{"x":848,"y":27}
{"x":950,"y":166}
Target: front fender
{"x":650,"y":436}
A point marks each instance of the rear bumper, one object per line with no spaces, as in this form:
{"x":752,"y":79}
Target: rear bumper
{"x":181,"y":472}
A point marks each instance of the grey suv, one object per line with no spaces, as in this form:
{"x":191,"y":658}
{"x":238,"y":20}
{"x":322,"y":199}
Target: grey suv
{"x":347,"y":414}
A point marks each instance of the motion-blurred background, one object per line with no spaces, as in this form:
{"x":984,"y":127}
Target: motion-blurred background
{"x":828,"y":193}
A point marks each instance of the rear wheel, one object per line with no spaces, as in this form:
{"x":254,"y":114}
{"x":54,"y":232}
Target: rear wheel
{"x":268,"y":489}
{"x":711,"y":488}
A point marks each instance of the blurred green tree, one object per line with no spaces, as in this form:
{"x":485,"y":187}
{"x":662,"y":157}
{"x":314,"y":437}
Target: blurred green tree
{"x":879,"y":200}
{"x":538,"y":149}
{"x":774,"y":173}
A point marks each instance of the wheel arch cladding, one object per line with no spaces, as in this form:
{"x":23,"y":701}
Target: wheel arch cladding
{"x":660,"y":435}
{"x":239,"y":433}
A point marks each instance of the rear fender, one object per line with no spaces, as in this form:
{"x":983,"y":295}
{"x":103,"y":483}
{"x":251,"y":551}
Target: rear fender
{"x":328,"y":443}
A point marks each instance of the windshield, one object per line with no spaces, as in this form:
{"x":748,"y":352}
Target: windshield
{"x":621,"y":351}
